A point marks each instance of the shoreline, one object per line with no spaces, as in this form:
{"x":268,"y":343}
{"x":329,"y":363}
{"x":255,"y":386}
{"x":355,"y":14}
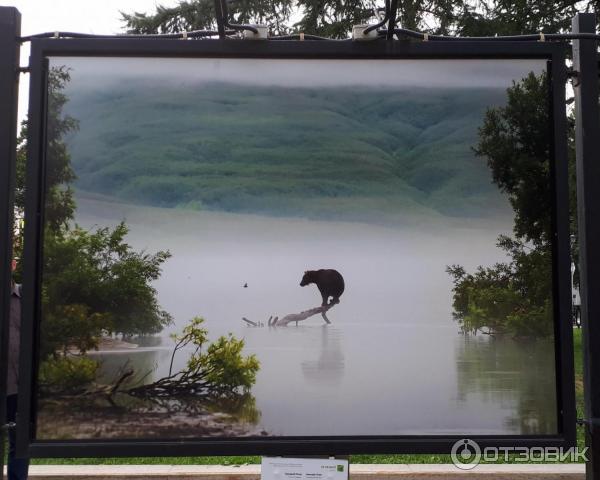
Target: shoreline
{"x":102,"y":206}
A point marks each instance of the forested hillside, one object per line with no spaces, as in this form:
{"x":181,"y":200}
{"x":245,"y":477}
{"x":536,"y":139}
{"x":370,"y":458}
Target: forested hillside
{"x":347,"y":153}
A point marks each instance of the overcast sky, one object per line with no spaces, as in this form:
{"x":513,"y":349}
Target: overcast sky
{"x":102,"y":17}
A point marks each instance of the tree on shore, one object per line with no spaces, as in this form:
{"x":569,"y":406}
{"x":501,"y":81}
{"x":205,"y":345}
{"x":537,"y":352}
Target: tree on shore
{"x":515,"y":297}
{"x":93,"y":282}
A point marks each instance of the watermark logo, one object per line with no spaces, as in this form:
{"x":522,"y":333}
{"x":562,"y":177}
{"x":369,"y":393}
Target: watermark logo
{"x":467,"y":454}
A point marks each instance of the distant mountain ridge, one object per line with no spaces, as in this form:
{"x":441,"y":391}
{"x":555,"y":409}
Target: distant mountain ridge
{"x":348,"y":153}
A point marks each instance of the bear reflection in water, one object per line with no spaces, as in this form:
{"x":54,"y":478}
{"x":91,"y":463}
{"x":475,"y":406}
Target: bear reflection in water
{"x":329,"y":282}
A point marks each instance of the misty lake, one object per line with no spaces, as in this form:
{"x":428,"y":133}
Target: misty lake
{"x":393,"y":361}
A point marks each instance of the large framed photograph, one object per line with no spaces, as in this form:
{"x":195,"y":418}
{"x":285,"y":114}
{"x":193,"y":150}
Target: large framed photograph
{"x":295,"y":248}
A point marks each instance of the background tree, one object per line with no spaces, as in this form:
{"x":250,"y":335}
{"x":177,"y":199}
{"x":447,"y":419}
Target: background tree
{"x":331,"y":18}
{"x":511,"y":17}
{"x":334,"y":18}
{"x":59,"y":175}
{"x":60,"y":205}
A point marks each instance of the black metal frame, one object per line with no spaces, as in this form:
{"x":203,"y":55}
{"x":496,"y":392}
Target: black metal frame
{"x":587,"y":145}
{"x":10,"y":30}
{"x":41,"y":49}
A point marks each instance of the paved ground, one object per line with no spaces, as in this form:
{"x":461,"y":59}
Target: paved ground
{"x":357,"y":472}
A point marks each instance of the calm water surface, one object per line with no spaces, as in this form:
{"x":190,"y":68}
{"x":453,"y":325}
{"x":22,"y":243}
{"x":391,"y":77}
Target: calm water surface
{"x":392,"y":362}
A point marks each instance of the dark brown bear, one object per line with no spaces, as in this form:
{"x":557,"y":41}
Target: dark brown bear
{"x":329,"y":282}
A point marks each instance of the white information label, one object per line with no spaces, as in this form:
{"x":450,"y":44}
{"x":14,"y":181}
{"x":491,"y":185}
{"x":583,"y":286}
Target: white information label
{"x":279,"y":468}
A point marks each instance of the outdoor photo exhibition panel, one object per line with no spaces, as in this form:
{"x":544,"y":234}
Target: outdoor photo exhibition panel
{"x":295,"y":248}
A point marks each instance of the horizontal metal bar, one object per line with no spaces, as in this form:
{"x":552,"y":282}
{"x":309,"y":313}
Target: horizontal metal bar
{"x":75,"y":35}
{"x":535,"y":37}
{"x":280,"y":446}
{"x":294,"y":49}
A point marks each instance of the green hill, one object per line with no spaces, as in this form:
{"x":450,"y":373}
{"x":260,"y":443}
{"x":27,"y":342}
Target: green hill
{"x":347,"y":153}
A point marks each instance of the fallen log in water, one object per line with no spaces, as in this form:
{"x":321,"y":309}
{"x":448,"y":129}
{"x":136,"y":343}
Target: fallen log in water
{"x":293,"y":317}
{"x":297,"y":317}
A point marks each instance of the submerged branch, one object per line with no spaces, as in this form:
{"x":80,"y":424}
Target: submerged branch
{"x":124,"y":377}
{"x":250,"y":322}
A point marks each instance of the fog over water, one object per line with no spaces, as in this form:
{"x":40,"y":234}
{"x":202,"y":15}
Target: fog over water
{"x":369,"y":167}
{"x":391,"y":362}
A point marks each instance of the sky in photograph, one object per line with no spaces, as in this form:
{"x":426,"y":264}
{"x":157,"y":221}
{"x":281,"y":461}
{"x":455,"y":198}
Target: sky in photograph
{"x":303,"y":73}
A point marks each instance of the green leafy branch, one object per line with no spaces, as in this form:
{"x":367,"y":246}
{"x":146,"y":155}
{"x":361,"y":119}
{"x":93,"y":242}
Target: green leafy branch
{"x":217,"y":369}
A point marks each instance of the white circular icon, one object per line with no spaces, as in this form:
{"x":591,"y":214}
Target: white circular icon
{"x":465,"y":454}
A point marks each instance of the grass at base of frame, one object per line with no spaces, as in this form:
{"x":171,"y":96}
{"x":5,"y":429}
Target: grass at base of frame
{"x":390,"y":459}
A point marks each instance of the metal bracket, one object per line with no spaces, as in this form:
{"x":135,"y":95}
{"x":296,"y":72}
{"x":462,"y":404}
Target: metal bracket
{"x":261,"y":33}
{"x":573,"y":75}
{"x":23,"y":69}
{"x":593,"y":422}
{"x":358,"y":33}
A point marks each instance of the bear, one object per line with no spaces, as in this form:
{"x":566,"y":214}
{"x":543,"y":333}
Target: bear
{"x":329,"y":282}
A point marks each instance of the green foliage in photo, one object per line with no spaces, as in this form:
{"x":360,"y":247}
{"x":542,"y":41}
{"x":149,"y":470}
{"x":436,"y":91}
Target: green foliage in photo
{"x":508,"y":298}
{"x":66,"y":374}
{"x":214,"y":370}
{"x":95,"y":283}
{"x":515,"y":297}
